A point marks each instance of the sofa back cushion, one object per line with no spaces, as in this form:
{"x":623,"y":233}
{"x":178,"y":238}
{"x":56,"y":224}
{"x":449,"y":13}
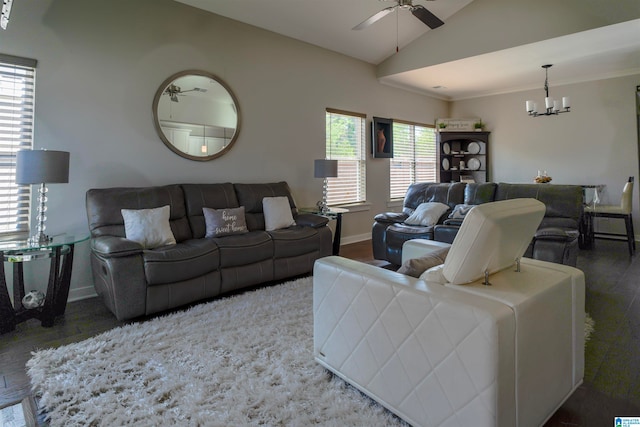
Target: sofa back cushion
{"x":104,"y":208}
{"x":563,"y":202}
{"x":451,"y":194}
{"x":214,"y":196}
{"x":250,"y":196}
{"x":478,"y":193}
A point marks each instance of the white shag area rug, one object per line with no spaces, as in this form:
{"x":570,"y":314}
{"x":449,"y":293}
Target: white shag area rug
{"x":241,"y":361}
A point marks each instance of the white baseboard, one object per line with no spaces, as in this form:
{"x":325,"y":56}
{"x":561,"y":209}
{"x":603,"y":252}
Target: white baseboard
{"x":355,"y":239}
{"x":78,"y":294}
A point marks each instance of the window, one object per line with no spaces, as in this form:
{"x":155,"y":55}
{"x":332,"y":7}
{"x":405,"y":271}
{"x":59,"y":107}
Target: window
{"x":346,"y":142}
{"x":414,"y":157}
{"x":17,"y":96}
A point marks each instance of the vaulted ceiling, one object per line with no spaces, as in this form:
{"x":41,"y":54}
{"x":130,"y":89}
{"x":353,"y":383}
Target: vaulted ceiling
{"x":485,"y":46}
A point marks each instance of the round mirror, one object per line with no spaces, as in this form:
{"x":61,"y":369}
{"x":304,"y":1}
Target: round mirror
{"x":196,"y":115}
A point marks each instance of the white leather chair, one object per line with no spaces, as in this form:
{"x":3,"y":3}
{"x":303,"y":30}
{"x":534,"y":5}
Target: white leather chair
{"x":621,"y":211}
{"x":447,"y":350}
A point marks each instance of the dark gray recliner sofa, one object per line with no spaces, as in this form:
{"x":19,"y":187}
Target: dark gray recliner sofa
{"x":134,"y":281}
{"x":556,"y":239}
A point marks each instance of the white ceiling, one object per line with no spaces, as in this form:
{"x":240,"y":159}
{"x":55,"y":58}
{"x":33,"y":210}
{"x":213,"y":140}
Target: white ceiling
{"x":605,"y":52}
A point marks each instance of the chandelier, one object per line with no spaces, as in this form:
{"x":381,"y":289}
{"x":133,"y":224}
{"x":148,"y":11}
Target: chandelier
{"x":552,"y":106}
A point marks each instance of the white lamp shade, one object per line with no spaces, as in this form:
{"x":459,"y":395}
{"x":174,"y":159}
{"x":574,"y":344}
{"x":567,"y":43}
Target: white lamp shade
{"x":323,"y":168}
{"x":42,"y":166}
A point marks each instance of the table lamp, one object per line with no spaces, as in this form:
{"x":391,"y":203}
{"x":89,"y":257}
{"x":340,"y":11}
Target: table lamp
{"x":324,"y":168}
{"x":41,"y":167}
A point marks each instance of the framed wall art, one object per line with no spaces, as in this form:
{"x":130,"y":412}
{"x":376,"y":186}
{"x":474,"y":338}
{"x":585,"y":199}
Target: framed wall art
{"x":382,"y":138}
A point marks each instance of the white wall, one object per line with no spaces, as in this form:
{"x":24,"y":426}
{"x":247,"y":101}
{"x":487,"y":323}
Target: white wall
{"x":100,"y":64}
{"x":596,"y":143}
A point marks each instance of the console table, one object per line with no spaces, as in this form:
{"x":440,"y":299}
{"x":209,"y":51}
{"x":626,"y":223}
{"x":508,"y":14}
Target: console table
{"x":60,"y":251}
{"x":332,"y":213}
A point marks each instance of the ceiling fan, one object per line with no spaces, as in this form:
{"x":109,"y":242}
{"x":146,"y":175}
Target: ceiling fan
{"x":419,"y":11}
{"x":173,"y":91}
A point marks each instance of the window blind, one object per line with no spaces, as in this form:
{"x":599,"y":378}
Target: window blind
{"x":346,"y":142}
{"x":414,"y":157}
{"x":17,"y":101}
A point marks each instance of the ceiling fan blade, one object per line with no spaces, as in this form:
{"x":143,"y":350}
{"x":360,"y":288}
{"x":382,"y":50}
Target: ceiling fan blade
{"x":429,"y":19}
{"x":374,"y":18}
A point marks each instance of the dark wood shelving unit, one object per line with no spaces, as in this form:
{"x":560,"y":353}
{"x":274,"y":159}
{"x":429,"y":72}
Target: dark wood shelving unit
{"x":463,"y":156}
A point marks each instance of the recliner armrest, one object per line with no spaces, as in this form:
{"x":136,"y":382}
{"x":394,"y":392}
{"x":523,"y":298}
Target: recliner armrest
{"x":391,"y":217}
{"x":311,"y":220}
{"x":556,"y":234}
{"x":112,"y":246}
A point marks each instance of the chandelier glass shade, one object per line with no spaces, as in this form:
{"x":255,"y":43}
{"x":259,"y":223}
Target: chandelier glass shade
{"x":552,"y":106}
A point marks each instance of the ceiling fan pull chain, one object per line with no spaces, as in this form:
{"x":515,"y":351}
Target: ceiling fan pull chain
{"x":397,"y":29}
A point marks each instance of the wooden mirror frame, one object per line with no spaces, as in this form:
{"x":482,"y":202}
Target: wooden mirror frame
{"x":163,"y":89}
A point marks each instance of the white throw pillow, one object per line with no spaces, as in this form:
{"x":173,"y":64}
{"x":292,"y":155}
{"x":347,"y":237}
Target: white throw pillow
{"x":427,"y":214}
{"x":277,"y":213}
{"x":149,"y":227}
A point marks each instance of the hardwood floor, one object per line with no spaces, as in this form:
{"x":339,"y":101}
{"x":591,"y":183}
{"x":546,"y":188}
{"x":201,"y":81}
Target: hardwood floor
{"x":612,"y":356}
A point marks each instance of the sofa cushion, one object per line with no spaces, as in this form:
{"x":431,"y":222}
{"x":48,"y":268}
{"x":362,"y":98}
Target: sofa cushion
{"x":184,"y":261}
{"x":450,"y":194}
{"x":426,"y":214}
{"x":224,"y":222}
{"x":416,"y":266}
{"x":244,"y":249}
{"x":277,"y":213}
{"x":213,"y":196}
{"x":294,"y":241}
{"x":104,"y":208}
{"x":478,"y":193}
{"x":561,"y":201}
{"x":250,"y":196}
{"x":149,"y":227}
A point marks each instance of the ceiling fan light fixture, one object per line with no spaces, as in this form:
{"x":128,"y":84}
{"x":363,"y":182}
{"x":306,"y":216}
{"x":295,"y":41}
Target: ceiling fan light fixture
{"x":552,"y":106}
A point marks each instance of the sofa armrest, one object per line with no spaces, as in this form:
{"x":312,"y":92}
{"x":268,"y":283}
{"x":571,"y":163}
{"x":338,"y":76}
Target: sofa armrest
{"x":391,"y":217}
{"x":445,"y":233}
{"x":556,"y":234}
{"x":456,"y":222}
{"x":311,"y":220}
{"x":112,"y":246}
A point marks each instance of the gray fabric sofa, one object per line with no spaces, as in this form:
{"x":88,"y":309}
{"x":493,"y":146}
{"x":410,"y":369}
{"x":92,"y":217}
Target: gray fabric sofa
{"x":556,"y":239}
{"x":134,"y":281}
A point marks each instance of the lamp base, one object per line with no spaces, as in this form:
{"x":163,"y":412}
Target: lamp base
{"x":322,"y":207}
{"x":39,"y":239}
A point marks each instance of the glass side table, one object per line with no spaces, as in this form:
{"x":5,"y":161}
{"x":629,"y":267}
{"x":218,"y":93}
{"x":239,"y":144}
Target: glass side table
{"x":60,"y":251}
{"x":332,"y":213}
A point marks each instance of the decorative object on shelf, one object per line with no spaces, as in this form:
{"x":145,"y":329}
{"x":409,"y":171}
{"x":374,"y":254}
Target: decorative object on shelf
{"x":473,"y":148}
{"x":478,"y":126}
{"x":33,"y":299}
{"x":446,"y":148}
{"x":457,"y":125}
{"x":324,"y":168}
{"x":474,"y":164}
{"x":552,"y":106}
{"x":382,"y":138}
{"x":445,"y":164}
{"x":42,"y":167}
{"x":542,"y":178}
